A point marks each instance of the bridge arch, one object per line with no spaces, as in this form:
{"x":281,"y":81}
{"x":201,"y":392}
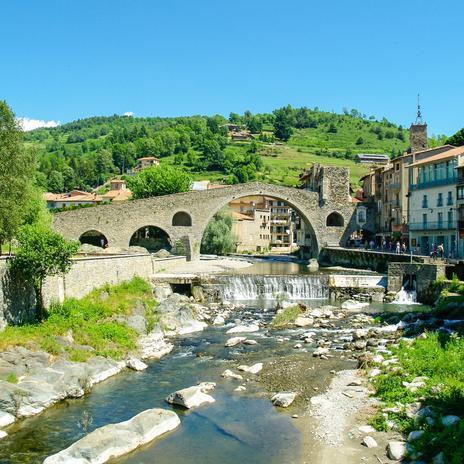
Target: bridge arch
{"x":334,"y":219}
{"x":151,"y":237}
{"x":182,"y":219}
{"x":94,"y":237}
{"x":302,"y":210}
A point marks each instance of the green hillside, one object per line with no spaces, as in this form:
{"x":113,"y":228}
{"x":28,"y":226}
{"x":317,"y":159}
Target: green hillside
{"x":86,"y":153}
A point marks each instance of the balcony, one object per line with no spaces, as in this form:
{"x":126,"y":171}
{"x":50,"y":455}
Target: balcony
{"x":439,"y":225}
{"x":433,"y":183}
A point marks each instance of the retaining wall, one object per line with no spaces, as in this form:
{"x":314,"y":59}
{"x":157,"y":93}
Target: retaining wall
{"x":89,"y":272}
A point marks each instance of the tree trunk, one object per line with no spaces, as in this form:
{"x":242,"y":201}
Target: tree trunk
{"x":39,"y":304}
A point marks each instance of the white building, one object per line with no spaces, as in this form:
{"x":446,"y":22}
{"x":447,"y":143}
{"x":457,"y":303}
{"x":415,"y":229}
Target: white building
{"x":432,"y":203}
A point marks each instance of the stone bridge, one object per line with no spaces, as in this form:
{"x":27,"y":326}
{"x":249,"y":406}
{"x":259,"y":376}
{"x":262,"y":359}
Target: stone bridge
{"x":328,"y":216}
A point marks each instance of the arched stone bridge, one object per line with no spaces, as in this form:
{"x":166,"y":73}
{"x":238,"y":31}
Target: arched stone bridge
{"x":184,"y":216}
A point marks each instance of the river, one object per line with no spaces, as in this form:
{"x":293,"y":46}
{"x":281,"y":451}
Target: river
{"x":238,"y":427}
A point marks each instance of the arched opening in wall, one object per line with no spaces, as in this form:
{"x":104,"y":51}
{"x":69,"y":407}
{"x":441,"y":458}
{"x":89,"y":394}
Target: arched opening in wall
{"x":95,"y":238}
{"x":259,"y":224}
{"x":182,"y":219}
{"x":334,"y":220}
{"x":152,"y":238}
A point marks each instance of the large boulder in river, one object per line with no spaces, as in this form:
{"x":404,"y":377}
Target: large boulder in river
{"x":114,"y":440}
{"x":243,"y":329}
{"x":189,"y":398}
{"x":234,"y":341}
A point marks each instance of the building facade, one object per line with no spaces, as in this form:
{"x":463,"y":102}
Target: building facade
{"x":460,"y":208}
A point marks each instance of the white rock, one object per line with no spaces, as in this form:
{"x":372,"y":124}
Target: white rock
{"x":283,"y":399}
{"x":352,"y":305}
{"x":254,"y":369}
{"x":228,"y":374}
{"x":369,"y":442}
{"x":450,"y":420}
{"x":153,"y":345}
{"x":378,"y":358}
{"x":396,"y":450}
{"x":366,"y":429}
{"x":415,"y":435}
{"x":191,"y":397}
{"x":243,"y":329}
{"x":234,"y":341}
{"x":301,"y":321}
{"x":361,"y":333}
{"x":320,"y":351}
{"x":374,"y":373}
{"x":218,"y":320}
{"x":114,"y":440}
{"x":250,"y":341}
{"x":298,"y":346}
{"x":315,"y":313}
{"x":3,"y":434}
{"x":136,"y":365}
{"x":240,"y":388}
{"x":6,"y":419}
{"x":207,"y":386}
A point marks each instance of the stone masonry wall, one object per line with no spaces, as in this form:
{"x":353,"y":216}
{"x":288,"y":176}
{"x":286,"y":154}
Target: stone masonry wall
{"x":17,"y":299}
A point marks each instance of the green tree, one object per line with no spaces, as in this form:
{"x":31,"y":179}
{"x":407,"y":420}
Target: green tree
{"x":158,"y":180}
{"x":283,"y":123}
{"x":359,"y":141}
{"x":218,"y":238}
{"x":56,"y":182}
{"x":457,"y":139}
{"x":17,"y":174}
{"x":41,"y":253}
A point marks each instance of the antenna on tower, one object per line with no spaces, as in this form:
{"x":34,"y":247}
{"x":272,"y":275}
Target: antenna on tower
{"x":419,"y":113}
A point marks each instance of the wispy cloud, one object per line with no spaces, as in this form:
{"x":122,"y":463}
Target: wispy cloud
{"x":128,"y":113}
{"x":29,"y":124}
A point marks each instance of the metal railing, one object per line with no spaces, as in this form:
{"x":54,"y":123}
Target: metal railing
{"x":438,"y":225}
{"x":433,"y":183}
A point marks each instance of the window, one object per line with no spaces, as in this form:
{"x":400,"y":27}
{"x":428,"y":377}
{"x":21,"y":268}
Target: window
{"x":424,"y":221}
{"x":450,"y":219}
{"x":397,"y":166}
{"x":425,"y":203}
{"x":440,"y":199}
{"x":450,"y":199}
{"x":461,"y":193}
{"x":440,"y":220}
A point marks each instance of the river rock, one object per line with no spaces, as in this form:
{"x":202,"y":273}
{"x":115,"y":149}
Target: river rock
{"x":313,"y":265}
{"x":3,"y":434}
{"x":228,"y":374}
{"x":240,"y":388}
{"x":369,"y":442}
{"x":191,"y":397}
{"x":283,"y":399}
{"x":361,"y":333}
{"x":450,"y":420}
{"x":374,"y":373}
{"x":360,"y":345}
{"x":114,"y":440}
{"x":301,"y":321}
{"x":396,"y":450}
{"x":234,"y":341}
{"x":254,"y":369}
{"x":136,"y":365}
{"x":250,"y":341}
{"x":321,"y":351}
{"x":415,"y":435}
{"x":154,"y":346}
{"x":207,"y":386}
{"x":243,"y":329}
{"x":6,"y":419}
{"x":218,"y":320}
{"x":352,"y":305}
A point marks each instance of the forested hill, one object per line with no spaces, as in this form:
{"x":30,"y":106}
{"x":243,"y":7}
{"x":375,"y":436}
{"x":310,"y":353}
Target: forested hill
{"x":86,"y":153}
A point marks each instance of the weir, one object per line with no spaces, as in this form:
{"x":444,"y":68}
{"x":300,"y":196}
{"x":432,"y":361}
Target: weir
{"x":271,"y":287}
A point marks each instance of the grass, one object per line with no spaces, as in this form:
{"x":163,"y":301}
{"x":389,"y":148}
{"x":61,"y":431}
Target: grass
{"x":92,"y":320}
{"x":439,"y":358}
{"x":286,"y":317}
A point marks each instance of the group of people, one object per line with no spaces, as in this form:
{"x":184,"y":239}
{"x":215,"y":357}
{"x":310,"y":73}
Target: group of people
{"x":437,"y":251}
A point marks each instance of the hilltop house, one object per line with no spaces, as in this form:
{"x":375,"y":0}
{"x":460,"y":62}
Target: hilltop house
{"x":73,"y":198}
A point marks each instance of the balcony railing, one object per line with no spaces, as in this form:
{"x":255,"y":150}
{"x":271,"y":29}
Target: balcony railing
{"x":433,"y":183}
{"x":439,"y":225}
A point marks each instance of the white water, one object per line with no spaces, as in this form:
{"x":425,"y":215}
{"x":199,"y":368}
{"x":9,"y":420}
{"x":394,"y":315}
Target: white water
{"x":254,"y":287}
{"x":406,"y":296}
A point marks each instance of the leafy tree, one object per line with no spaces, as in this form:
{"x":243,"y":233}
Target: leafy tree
{"x":283,"y":123}
{"x":359,"y":141}
{"x":17,"y":174}
{"x":56,"y":182}
{"x":158,"y":180}
{"x":41,"y":253}
{"x":218,"y":238}
{"x":332,"y":128}
{"x":457,"y":139}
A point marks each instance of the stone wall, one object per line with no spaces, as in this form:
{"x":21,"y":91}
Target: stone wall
{"x":361,"y":259}
{"x":17,"y":299}
{"x":424,"y":275}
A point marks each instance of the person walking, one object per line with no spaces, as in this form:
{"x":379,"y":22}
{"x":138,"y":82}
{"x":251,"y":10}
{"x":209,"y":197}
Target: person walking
{"x":403,"y":248}
{"x":398,"y":248}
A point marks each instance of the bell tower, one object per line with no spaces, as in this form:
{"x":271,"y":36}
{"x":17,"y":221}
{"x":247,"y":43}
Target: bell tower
{"x":418,"y":132}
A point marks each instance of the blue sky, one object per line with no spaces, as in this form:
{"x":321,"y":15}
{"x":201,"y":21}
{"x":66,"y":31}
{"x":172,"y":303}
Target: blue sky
{"x":67,"y":59}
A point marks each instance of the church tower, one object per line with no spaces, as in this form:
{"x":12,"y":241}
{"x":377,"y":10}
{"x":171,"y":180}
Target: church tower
{"x":418,"y":132}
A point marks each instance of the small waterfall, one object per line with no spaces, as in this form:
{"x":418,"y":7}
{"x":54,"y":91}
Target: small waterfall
{"x":271,"y":287}
{"x":407,"y":295}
